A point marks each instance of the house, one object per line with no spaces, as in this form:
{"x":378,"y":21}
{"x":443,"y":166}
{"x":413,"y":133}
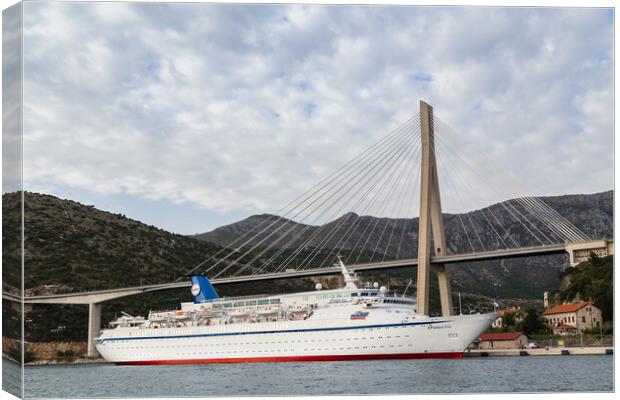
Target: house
{"x":516,"y":311}
{"x":582,"y":315}
{"x":502,"y":340}
{"x":564,"y":329}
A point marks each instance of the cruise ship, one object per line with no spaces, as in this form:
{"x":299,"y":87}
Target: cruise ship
{"x":353,"y":322}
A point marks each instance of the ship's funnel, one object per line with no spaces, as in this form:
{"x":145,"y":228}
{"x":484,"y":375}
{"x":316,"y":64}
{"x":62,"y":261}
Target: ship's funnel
{"x":202,"y":289}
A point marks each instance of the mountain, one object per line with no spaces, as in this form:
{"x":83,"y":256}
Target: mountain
{"x":592,"y":214}
{"x":382,"y":238}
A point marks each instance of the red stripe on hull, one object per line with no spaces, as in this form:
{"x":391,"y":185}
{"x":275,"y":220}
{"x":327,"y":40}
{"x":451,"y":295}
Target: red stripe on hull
{"x":344,"y":357}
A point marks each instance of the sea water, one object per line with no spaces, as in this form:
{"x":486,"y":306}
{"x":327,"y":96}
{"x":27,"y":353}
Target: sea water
{"x":467,"y":375}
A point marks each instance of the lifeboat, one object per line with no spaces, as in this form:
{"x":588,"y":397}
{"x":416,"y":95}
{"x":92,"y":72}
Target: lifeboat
{"x":238,"y":313}
{"x":181,"y":315}
{"x":267,"y":311}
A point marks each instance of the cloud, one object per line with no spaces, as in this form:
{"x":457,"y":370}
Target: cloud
{"x":11,"y":99}
{"x":241,"y":108}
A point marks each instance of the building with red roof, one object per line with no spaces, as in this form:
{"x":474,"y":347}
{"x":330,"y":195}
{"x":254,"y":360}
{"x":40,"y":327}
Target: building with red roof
{"x":580,"y":316}
{"x":564,"y":329}
{"x":502,"y":340}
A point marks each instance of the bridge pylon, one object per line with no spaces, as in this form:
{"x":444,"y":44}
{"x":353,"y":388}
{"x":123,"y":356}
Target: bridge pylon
{"x":431,"y":220}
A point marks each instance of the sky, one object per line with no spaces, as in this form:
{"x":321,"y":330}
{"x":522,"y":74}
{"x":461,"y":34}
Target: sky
{"x":191,"y":116}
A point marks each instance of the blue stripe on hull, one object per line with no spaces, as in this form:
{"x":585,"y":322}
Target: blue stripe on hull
{"x":271,"y":332}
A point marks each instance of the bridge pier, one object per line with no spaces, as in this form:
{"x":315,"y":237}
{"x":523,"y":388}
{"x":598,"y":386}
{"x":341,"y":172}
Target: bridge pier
{"x":431,"y":220}
{"x":94,"y":325}
{"x":445,"y":291}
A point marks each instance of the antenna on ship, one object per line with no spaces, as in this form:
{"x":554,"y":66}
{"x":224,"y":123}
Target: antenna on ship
{"x":408,"y":285}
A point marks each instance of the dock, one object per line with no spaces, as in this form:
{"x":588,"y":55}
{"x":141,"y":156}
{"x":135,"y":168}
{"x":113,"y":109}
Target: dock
{"x":549,"y":351}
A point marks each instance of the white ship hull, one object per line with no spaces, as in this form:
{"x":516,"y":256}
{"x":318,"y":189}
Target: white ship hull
{"x":382,"y":334}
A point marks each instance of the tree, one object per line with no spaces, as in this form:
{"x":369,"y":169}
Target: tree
{"x":508,"y":319}
{"x":591,"y":280}
{"x":532,"y":323}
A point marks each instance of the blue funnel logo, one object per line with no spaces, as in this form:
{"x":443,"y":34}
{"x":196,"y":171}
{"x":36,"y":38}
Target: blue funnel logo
{"x":202,"y":290}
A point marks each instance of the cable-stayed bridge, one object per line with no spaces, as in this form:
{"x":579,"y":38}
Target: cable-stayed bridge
{"x":394,"y":180}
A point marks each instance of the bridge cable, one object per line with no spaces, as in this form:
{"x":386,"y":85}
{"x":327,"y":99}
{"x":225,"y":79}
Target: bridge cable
{"x":308,"y":240}
{"x":410,"y":180}
{"x":452,"y":184}
{"x":495,"y":170}
{"x":396,"y":203}
{"x":412,"y":152}
{"x":411,"y":214}
{"x":368,"y":169}
{"x":340,"y":222}
{"x":321,"y":244}
{"x":445,"y":157}
{"x":552,"y":221}
{"x":347,"y":165}
{"x":505,"y":204}
{"x":382,"y":207}
{"x":348,"y":181}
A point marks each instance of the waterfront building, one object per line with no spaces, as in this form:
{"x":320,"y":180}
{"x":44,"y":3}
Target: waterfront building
{"x":582,"y":315}
{"x":564,"y":329}
{"x":502,"y":340}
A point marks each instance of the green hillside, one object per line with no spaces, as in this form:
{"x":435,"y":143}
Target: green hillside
{"x":593,"y":280}
{"x":77,"y":247}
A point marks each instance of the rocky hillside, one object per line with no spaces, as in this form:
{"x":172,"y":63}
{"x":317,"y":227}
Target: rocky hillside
{"x":592,"y":214}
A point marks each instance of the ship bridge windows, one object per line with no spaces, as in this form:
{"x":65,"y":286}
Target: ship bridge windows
{"x":250,"y":303}
{"x":274,"y":301}
{"x":263,"y":302}
{"x":397,"y":301}
{"x":239,"y":304}
{"x":227,"y":305}
{"x":353,"y":294}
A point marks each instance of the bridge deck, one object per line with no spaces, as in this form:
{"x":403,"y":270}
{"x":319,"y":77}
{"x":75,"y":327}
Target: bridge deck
{"x":98,"y":296}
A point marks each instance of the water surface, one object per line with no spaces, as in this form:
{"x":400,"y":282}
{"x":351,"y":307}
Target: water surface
{"x":468,"y":375}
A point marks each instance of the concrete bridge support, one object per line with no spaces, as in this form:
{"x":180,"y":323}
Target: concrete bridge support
{"x":94,"y":325}
{"x":431,"y":220}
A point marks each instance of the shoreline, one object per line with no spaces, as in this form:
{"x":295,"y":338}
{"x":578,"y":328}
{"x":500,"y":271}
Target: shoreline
{"x":548,"y":351}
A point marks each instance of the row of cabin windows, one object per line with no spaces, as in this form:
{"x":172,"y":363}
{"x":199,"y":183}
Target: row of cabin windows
{"x":326,"y":296}
{"x":255,"y":343}
{"x":397,"y":301}
{"x":269,"y":350}
{"x":248,"y":303}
